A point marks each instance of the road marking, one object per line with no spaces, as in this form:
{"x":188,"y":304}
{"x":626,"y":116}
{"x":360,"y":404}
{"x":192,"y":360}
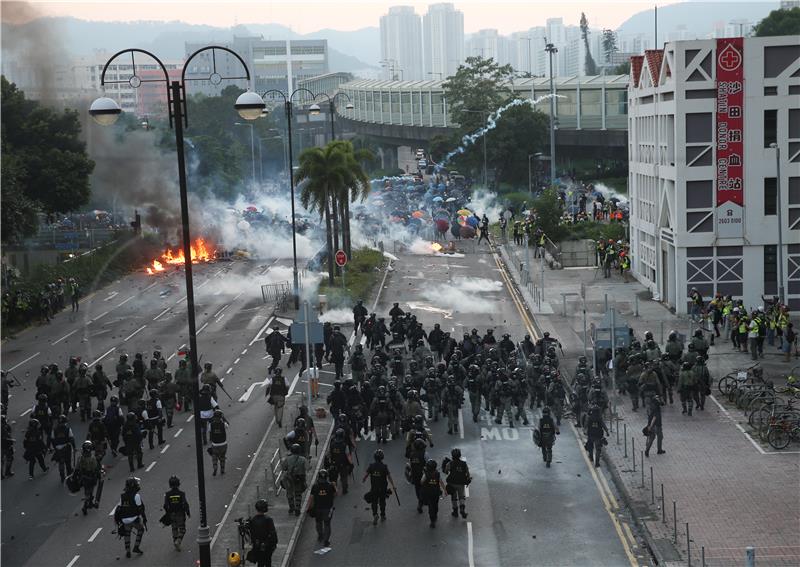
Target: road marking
{"x":606,"y":503}
{"x":150,"y":466}
{"x":74,"y":560}
{"x":160,"y":314}
{"x":31,"y":357}
{"x":200,"y":330}
{"x":114,"y":509}
{"x":460,"y":424}
{"x":103,"y":314}
{"x":246,"y":396}
{"x":148,"y":287}
{"x":219,"y":318}
{"x":258,"y":334}
{"x":470,"y":542}
{"x":64,"y":337}
{"x":629,"y":533}
{"x":109,"y":351}
{"x":111,"y":296}
{"x":221,"y":310}
{"x":191,"y":417}
{"x":133,"y":333}
{"x":124,"y":302}
{"x":244,"y":352}
{"x":241,"y":293}
{"x":229,"y":370}
{"x":746,"y":434}
{"x":202,"y":284}
{"x":26,"y":412}
{"x":178,"y":432}
{"x":164,"y":450}
{"x":218,"y":291}
{"x":181,"y":299}
{"x":170,"y":357}
{"x":94,"y":535}
{"x":237,"y":360}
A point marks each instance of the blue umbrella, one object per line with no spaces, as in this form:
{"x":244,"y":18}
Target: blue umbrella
{"x":437,"y":199}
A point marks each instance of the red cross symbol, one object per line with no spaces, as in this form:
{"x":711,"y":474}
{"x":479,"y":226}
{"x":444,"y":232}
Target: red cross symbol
{"x":729,"y":58}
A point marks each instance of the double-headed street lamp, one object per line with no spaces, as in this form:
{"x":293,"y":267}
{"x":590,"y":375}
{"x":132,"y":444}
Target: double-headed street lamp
{"x":314,"y":109}
{"x":552,"y":50}
{"x":105,"y":111}
{"x":287,"y":99}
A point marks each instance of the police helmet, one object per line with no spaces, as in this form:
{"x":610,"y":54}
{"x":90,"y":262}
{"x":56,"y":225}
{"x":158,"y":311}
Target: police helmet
{"x":261,"y":505}
{"x":153,"y":393}
{"x":113,"y":400}
{"x":174,"y":481}
{"x":131,"y":416}
{"x":456,"y":453}
{"x":132,"y":484}
{"x":430,"y":465}
{"x":34,"y":423}
{"x":295,"y":449}
{"x":673,"y":335}
{"x":62,"y":418}
{"x":205,"y":389}
{"x":153,"y":363}
{"x":87,"y":446}
{"x":322,"y":475}
{"x":138,"y":356}
{"x":419,"y":420}
{"x":207,"y":366}
{"x":218,"y":413}
{"x":378,"y":455}
{"x":42,"y":397}
{"x":419,"y":444}
{"x":698,"y":333}
{"x":300,"y":423}
{"x":83,"y":366}
{"x":339,"y":434}
{"x":546,"y":410}
{"x":97,"y":414}
{"x":648,"y":336}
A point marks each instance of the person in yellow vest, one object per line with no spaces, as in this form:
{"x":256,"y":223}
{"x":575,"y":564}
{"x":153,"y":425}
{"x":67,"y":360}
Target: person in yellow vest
{"x":743,"y":329}
{"x":625,"y":266}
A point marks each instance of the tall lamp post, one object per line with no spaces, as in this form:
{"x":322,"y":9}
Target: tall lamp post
{"x":252,"y":148}
{"x":105,"y":111}
{"x":537,"y":155}
{"x":287,"y":102}
{"x":552,"y":50}
{"x":485,"y":114}
{"x":777,"y":149}
{"x":315,"y":109}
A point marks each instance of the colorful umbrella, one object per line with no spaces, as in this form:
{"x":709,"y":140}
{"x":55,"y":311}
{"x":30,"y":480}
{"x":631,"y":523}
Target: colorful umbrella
{"x":465,"y":212}
{"x":418,"y":214}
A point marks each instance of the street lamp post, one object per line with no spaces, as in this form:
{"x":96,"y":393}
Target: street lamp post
{"x":252,"y":148}
{"x":552,"y":49}
{"x":777,"y":149}
{"x":287,"y":100}
{"x":106,"y":111}
{"x":537,"y":155}
{"x":315,"y":110}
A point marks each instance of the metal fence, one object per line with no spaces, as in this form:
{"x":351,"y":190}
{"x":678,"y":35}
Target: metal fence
{"x":277,"y":293}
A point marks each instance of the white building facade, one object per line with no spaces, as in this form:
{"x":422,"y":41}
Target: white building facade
{"x":442,"y":40}
{"x":401,"y":42}
{"x":706,"y":196}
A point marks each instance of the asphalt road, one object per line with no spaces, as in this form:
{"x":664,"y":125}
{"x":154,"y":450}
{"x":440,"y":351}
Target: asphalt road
{"x":520,"y":513}
{"x":42,"y":523}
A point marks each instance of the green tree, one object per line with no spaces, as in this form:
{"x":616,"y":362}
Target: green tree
{"x":521,"y":131}
{"x":329,"y":178}
{"x":45,"y":165}
{"x":439,"y":145}
{"x":549,"y":212}
{"x":779,"y":22}
{"x":609,"y":42}
{"x":591,"y":67}
{"x":623,"y":68}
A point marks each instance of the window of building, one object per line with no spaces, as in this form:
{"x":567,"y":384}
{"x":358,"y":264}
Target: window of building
{"x":770,"y":91}
{"x":770,"y":196}
{"x":770,"y":127}
{"x":770,"y":269}
{"x":699,"y":127}
{"x":794,"y":123}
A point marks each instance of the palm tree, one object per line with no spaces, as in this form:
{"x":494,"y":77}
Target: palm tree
{"x":327,"y":177}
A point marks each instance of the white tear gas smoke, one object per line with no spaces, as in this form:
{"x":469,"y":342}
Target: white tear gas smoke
{"x":463,"y":295}
{"x":337,"y":316}
{"x":484,"y":202}
{"x":609,"y":192}
{"x":491,"y":123}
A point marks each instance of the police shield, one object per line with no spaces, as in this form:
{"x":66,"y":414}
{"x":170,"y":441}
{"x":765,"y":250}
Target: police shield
{"x":537,"y":437}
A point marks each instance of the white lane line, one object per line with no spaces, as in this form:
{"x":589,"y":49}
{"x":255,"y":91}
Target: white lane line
{"x":181,"y":299}
{"x":191,"y":417}
{"x":170,"y":357}
{"x":219,"y":318}
{"x":246,"y":396}
{"x":74,"y":560}
{"x":94,"y":535}
{"x":460,"y":424}
{"x":103,"y":314}
{"x":26,"y":412}
{"x":200,"y":330}
{"x":148,"y":287}
{"x":178,"y":432}
{"x":111,"y":296}
{"x":133,"y":333}
{"x":124,"y":302}
{"x":64,"y":337}
{"x":160,"y":314}
{"x":258,"y":334}
{"x":31,"y":357}
{"x":150,"y":467}
{"x":109,"y":351}
{"x":237,"y":360}
{"x":164,"y":450}
{"x":746,"y":434}
{"x":241,"y":293}
{"x":114,"y":509}
{"x":229,"y":370}
{"x":244,"y":352}
{"x":470,"y":550}
{"x":221,"y":310}
{"x":202,"y":284}
{"x":218,"y":291}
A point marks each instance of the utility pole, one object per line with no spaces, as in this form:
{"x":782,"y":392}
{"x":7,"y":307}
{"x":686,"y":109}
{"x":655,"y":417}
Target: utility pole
{"x":781,"y":296}
{"x":552,"y":49}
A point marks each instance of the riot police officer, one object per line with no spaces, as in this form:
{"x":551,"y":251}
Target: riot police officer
{"x":176,"y":507}
{"x":219,"y":441}
{"x":263,"y":536}
{"x":130,"y":516}
{"x":63,"y":444}
{"x":458,"y":478}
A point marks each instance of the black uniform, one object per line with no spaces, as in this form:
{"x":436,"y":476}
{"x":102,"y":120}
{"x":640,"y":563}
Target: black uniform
{"x":323,"y":493}
{"x":264,"y":538}
{"x":378,"y":486}
{"x":177,"y":508}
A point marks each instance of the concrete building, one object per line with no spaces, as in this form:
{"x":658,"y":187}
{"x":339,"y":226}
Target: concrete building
{"x":442,"y":40}
{"x":706,"y":201}
{"x":271,"y":64}
{"x":489,"y":44}
{"x":401,"y":42}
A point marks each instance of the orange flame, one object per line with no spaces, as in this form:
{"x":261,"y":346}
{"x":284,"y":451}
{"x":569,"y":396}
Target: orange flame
{"x":200,"y":252}
{"x":436,"y":247}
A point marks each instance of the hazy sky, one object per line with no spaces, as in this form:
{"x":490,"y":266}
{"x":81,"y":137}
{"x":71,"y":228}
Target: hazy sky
{"x":304,"y":16}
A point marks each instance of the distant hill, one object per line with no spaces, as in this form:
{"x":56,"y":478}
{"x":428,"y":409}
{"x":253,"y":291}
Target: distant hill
{"x":166,"y":39}
{"x":698,"y":18}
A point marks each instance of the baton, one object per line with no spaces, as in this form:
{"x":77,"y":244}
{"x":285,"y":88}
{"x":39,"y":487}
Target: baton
{"x":224,"y":390}
{"x":395,"y":491}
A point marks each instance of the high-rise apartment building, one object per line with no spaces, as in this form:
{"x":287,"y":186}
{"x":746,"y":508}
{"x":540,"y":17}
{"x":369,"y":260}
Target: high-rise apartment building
{"x":488,"y":44}
{"x":401,"y":43}
{"x":442,"y":40}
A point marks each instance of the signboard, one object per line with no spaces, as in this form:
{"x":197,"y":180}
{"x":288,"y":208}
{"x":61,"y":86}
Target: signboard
{"x":341,"y":258}
{"x":729,"y":137}
{"x":315,"y":333}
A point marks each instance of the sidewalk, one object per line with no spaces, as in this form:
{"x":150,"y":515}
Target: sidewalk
{"x":733,"y":491}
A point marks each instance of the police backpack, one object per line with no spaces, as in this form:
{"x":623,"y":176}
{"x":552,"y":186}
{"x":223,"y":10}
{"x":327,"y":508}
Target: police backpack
{"x":74,"y":482}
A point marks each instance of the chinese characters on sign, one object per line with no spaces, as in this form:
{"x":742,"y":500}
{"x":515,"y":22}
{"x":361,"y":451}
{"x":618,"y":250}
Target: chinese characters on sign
{"x":730,"y":137}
